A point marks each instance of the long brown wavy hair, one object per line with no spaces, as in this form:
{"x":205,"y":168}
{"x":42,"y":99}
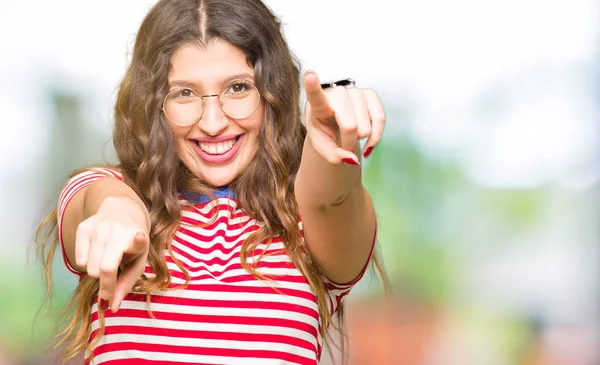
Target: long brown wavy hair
{"x":151,"y":166}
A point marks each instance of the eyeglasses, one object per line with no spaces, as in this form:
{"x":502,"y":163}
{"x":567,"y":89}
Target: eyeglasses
{"x":239,"y":99}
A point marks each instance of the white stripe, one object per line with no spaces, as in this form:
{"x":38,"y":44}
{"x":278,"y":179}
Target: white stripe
{"x":215,"y":253}
{"x":235,"y":296}
{"x":252,"y":283}
{"x":199,"y":266}
{"x":231,"y":242}
{"x":211,"y":238}
{"x":241,"y":218}
{"x":202,"y":212}
{"x":192,"y":359}
{"x":220,"y":311}
{"x":76,"y":185}
{"x":218,"y":253}
{"x":229,"y":260}
{"x":209,"y":343}
{"x":233,"y":273}
{"x":194,"y":326}
{"x":223,"y":226}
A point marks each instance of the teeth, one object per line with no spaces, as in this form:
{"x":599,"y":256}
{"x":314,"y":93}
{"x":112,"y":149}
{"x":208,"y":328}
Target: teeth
{"x":217,"y":148}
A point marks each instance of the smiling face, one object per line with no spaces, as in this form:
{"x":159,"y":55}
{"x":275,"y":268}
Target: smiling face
{"x":216,"y":147}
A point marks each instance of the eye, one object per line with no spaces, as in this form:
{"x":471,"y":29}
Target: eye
{"x":185,"y":93}
{"x":182,"y":96}
{"x":238,"y":87}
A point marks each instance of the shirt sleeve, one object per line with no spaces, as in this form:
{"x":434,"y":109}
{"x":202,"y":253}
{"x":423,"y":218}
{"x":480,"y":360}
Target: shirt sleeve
{"x":72,"y":187}
{"x":338,"y":291}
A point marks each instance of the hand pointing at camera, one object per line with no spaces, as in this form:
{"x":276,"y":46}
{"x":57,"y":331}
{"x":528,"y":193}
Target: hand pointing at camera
{"x":112,"y":245}
{"x":338,"y":117}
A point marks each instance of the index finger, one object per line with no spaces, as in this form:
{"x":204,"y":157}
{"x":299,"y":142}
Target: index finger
{"x":109,"y":267}
{"x":132,"y":269}
{"x":315,"y":95}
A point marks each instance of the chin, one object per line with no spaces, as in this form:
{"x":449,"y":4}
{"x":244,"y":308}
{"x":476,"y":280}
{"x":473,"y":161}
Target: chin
{"x":218,"y":175}
{"x":218,"y":182}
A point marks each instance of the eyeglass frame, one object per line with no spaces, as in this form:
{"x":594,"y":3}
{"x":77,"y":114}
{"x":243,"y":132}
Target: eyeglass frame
{"x":210,"y":96}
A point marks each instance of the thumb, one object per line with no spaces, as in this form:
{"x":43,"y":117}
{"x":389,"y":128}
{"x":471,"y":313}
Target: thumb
{"x":315,"y":96}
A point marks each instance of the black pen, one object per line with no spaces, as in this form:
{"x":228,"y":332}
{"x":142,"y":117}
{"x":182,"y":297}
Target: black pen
{"x":344,"y":82}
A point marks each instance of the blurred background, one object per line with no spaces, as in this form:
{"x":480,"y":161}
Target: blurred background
{"x":487,"y":182}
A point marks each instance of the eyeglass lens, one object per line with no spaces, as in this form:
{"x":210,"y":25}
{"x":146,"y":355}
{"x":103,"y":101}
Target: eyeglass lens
{"x":238,"y":99}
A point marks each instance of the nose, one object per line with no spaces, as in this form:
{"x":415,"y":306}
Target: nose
{"x":213,"y":121}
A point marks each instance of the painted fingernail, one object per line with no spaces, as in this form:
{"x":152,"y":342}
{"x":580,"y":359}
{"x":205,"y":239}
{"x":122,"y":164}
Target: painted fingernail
{"x":350,"y":161}
{"x":103,"y":304}
{"x":368,"y":151}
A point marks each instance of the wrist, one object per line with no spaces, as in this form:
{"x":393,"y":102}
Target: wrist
{"x":133,"y":207}
{"x":113,"y":197}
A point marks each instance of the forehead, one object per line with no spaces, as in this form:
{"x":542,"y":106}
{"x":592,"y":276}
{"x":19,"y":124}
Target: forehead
{"x":208,"y":66}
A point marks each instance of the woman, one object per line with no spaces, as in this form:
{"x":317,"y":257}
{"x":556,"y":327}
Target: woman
{"x":230,"y":232}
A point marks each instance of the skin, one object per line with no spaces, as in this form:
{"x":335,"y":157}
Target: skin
{"x":106,"y":226}
{"x":206,"y":70}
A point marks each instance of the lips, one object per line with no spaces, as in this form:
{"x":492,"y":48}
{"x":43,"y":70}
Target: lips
{"x":217,"y":150}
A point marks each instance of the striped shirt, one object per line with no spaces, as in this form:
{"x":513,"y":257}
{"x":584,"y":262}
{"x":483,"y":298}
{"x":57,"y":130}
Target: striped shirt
{"x":225,"y":315}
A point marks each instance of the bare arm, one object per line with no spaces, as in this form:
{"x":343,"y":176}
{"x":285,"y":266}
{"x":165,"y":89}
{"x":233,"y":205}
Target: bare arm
{"x":337,"y":212}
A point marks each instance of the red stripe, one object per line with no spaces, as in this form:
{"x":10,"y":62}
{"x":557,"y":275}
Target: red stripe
{"x":208,"y":216}
{"x":229,"y":205}
{"x":189,"y":350}
{"x":137,"y":361}
{"x":230,"y":254}
{"x":74,"y":186}
{"x":228,"y":265}
{"x":197,"y":271}
{"x":219,"y":233}
{"x":215,"y":319}
{"x":248,"y":289}
{"x":68,"y":193}
{"x":224,"y":261}
{"x":213,"y":303}
{"x":235,"y":214}
{"x":243,"y":277}
{"x":215,"y":246}
{"x":211,"y":335}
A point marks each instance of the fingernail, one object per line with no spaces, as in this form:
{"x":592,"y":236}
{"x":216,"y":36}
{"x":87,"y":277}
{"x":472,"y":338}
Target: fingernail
{"x":141,"y":234}
{"x":103,"y":304}
{"x":309,"y":72}
{"x":368,"y":151}
{"x":350,"y":161}
{"x":116,"y":310}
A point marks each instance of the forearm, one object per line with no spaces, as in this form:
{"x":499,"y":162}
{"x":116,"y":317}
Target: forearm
{"x":337,"y":215}
{"x":322,"y":184}
{"x":102,"y":189}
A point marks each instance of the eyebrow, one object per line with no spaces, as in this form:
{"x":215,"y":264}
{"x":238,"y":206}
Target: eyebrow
{"x":194,"y":85}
